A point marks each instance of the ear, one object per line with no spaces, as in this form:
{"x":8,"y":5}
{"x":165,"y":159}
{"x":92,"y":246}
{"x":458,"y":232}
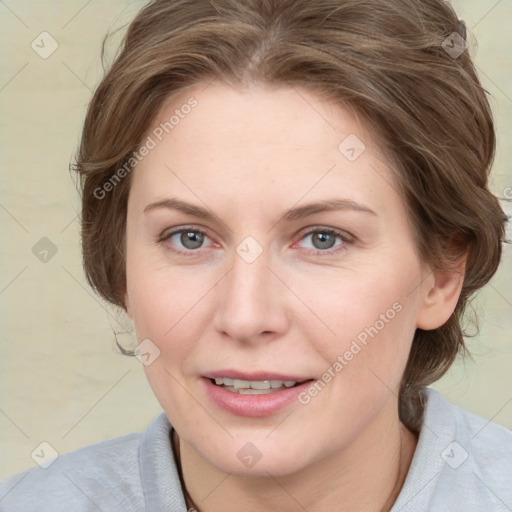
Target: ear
{"x":441,"y":295}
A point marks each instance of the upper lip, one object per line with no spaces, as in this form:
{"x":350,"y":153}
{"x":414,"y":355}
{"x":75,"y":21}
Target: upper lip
{"x":254,"y":376}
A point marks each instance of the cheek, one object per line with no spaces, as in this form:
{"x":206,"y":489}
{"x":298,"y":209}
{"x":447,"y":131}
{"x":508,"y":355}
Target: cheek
{"x":368,"y":318}
{"x":155,"y":299}
{"x":167,"y":310}
{"x":168,"y":306}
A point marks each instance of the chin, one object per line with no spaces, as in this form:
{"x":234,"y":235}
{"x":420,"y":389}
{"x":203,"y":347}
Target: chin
{"x":258,"y":459}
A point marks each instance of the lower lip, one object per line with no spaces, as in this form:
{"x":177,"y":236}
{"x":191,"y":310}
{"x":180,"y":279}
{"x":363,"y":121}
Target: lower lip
{"x":253,"y":406}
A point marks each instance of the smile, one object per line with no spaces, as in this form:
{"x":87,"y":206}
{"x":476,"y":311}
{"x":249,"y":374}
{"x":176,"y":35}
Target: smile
{"x":259,"y":394}
{"x":254,"y":387}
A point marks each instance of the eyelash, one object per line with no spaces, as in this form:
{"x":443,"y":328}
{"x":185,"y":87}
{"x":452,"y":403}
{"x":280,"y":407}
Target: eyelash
{"x":344,"y":237}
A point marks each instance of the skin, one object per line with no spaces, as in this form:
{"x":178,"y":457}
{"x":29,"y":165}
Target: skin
{"x":248,"y":156}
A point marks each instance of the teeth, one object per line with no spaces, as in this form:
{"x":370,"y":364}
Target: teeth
{"x":241,"y":384}
{"x":247,"y":387}
{"x":259,"y":384}
{"x":252,"y":391}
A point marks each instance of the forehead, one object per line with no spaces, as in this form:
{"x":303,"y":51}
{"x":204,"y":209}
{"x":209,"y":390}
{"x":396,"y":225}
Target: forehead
{"x":261,"y":142}
{"x":245,"y":119}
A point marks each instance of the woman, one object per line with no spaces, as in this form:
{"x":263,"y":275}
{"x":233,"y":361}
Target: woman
{"x":289,"y":199}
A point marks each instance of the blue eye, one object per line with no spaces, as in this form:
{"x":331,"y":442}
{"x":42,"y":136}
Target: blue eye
{"x":187,"y":238}
{"x":324,"y":239}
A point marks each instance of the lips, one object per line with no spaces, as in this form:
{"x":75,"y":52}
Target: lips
{"x":253,"y":394}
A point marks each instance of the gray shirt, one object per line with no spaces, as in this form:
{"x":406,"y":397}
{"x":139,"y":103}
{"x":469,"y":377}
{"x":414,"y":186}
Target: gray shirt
{"x":462,"y":462}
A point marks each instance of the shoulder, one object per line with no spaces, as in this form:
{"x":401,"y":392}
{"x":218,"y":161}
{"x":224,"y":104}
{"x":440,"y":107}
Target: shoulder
{"x":103,"y":476}
{"x":477,"y":462}
{"x":462,"y":462}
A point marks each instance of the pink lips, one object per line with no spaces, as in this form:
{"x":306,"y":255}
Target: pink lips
{"x":253,"y":406}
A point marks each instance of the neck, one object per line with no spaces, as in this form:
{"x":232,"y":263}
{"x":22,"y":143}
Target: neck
{"x":368,"y":475}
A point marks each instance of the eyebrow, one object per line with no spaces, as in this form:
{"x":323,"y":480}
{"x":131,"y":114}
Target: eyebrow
{"x":295,"y":213}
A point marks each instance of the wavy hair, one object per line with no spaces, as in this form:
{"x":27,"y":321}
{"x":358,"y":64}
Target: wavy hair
{"x":388,"y":60}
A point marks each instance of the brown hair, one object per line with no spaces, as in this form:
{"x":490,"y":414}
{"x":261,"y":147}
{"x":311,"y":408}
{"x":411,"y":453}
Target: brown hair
{"x":386,"y":59}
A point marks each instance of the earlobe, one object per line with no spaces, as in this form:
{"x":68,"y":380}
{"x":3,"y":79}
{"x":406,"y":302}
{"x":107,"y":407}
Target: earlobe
{"x":441,"y":299}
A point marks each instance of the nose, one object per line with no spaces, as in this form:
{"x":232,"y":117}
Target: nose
{"x":251,"y":303}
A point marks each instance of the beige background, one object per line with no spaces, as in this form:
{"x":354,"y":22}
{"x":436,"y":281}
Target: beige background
{"x":61,"y":380}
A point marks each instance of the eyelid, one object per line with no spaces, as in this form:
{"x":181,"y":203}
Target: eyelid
{"x":345,"y":237}
{"x":168,"y":233}
{"x":327,"y":229}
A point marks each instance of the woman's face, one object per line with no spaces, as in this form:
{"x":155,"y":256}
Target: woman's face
{"x":266,"y":243}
